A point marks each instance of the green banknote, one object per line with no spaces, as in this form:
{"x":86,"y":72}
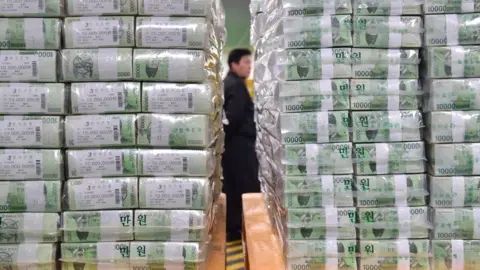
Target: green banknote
{"x":310,"y":8}
{"x":177,"y":98}
{"x":455,"y":254}
{"x":30,"y":196}
{"x":387,"y":31}
{"x":454,"y":191}
{"x":29,"y":227}
{"x":413,"y":248}
{"x":30,"y":33}
{"x":100,"y":130}
{"x":111,"y":97}
{"x":101,"y":193}
{"x":165,"y":162}
{"x":169,"y":65}
{"x":391,"y":190}
{"x":170,"y":225}
{"x":31,"y":131}
{"x":33,"y":98}
{"x":313,"y":31}
{"x":94,"y":32}
{"x":174,"y":193}
{"x":168,"y":253}
{"x":102,"y":162}
{"x":452,"y":94}
{"x":452,"y":29}
{"x":456,"y":223}
{"x":451,"y":6}
{"x":323,"y":263}
{"x":382,"y":7}
{"x":314,"y":95}
{"x":32,"y":8}
{"x":316,"y":159}
{"x":321,"y":223}
{"x":104,"y":64}
{"x":28,"y":66}
{"x":95,"y":256}
{"x":185,"y":8}
{"x":386,"y":126}
{"x":394,"y":263}
{"x":389,"y":158}
{"x":452,"y":62}
{"x":315,"y":127}
{"x":317,"y":191}
{"x":385,"y":64}
{"x":330,"y":248}
{"x":29,"y":256}
{"x":101,"y":7}
{"x":452,"y":127}
{"x":454,"y":159}
{"x":388,"y":94}
{"x":27,"y":164}
{"x":174,"y":131}
{"x":394,"y":222}
{"x":97,"y":226}
{"x":172,"y":32}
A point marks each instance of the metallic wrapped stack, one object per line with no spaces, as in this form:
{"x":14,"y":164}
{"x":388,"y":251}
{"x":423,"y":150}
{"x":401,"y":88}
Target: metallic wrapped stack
{"x":32,"y":109}
{"x":302,"y":73}
{"x":452,"y":118}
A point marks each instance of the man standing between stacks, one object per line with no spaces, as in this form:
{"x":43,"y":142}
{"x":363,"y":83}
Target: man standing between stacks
{"x":240,"y":163}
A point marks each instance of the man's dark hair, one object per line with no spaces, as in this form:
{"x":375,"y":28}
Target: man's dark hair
{"x":236,"y":55}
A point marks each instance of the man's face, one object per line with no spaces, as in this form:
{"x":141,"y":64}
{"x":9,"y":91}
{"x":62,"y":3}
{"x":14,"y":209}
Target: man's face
{"x":243,"y":67}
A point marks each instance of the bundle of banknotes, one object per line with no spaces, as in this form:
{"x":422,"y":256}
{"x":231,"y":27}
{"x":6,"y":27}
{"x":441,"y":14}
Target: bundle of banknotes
{"x":451,"y":94}
{"x":454,"y":191}
{"x":452,"y":62}
{"x":452,"y":127}
{"x":453,"y":159}
{"x":385,"y":64}
{"x":452,"y":29}
{"x":456,"y":223}
{"x":455,"y":254}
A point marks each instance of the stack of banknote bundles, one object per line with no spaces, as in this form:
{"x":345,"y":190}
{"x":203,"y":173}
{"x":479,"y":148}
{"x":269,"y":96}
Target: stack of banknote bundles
{"x":257,"y":21}
{"x":32,"y":105}
{"x":304,"y":143}
{"x":452,"y":110}
{"x":390,"y":184}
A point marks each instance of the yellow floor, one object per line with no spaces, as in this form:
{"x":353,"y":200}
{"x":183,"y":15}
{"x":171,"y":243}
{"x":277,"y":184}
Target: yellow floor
{"x":235,"y":260}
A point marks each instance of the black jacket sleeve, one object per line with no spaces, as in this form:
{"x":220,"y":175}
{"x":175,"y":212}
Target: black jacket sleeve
{"x":236,"y":95}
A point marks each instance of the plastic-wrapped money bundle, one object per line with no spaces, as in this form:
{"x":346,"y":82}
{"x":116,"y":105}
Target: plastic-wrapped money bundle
{"x":387,"y":8}
{"x":29,"y":255}
{"x":27,"y":8}
{"x":454,"y":191}
{"x":455,"y":254}
{"x":30,"y":33}
{"x":452,"y":62}
{"x":454,"y":159}
{"x":451,"y":94}
{"x":456,"y":223}
{"x":452,"y":29}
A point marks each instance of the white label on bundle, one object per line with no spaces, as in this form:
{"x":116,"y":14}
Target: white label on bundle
{"x":323,"y":127}
{"x":33,"y":33}
{"x":452,"y":29}
{"x":18,"y":67}
{"x":326,"y":39}
{"x":468,"y":6}
{"x":105,"y":252}
{"x":458,"y":255}
{"x":109,"y":225}
{"x":393,"y":87}
{"x":476,"y":223}
{"x":394,"y":71}
{"x":95,"y":194}
{"x":328,"y":9}
{"x":174,"y":194}
{"x":171,"y":100}
{"x":98,"y":98}
{"x":458,"y":61}
{"x":173,"y":255}
{"x":395,"y":121}
{"x":458,"y":191}
{"x":163,"y":32}
{"x":331,"y":222}
{"x":311,"y":152}
{"x":178,"y":64}
{"x":160,"y":131}
{"x":94,"y":130}
{"x":326,"y":55}
{"x":458,"y":129}
{"x":393,"y":103}
{"x":381,"y":158}
{"x":21,"y":165}
{"x":394,"y":36}
{"x":180,"y":222}
{"x":33,"y":225}
{"x":36,"y":198}
{"x":107,"y":63}
{"x":15,"y":132}
{"x":404,"y":219}
{"x":22,"y":7}
{"x":92,"y":31}
{"x":93,"y":163}
{"x":25,"y":254}
{"x":166,"y":164}
{"x":325,"y":87}
{"x":21,"y":98}
{"x":403,"y":253}
{"x":328,"y":191}
{"x":401,"y":189}
{"x":476,"y":158}
{"x":167,"y":7}
{"x":96,"y":7}
{"x":396,"y":7}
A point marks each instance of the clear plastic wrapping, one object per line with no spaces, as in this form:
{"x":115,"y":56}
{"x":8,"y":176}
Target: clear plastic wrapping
{"x":82,"y":131}
{"x":391,"y":190}
{"x":95,"y":32}
{"x":100,"y":193}
{"x":31,"y":196}
{"x":452,"y":94}
{"x":452,"y":127}
{"x":456,"y":223}
{"x":28,"y":66}
{"x":387,"y":7}
{"x":454,"y":191}
{"x":98,"y":7}
{"x":30,"y":33}
{"x":102,"y":162}
{"x":451,"y":29}
{"x":39,"y":8}
{"x":97,"y":226}
{"x":453,"y":159}
{"x":455,"y":254}
{"x":99,"y":255}
{"x":105,"y":64}
{"x":29,"y":227}
{"x":33,"y":98}
{"x":31,"y":131}
{"x":111,"y":97}
{"x":29,"y":255}
{"x":452,"y":62}
{"x":28,"y":164}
